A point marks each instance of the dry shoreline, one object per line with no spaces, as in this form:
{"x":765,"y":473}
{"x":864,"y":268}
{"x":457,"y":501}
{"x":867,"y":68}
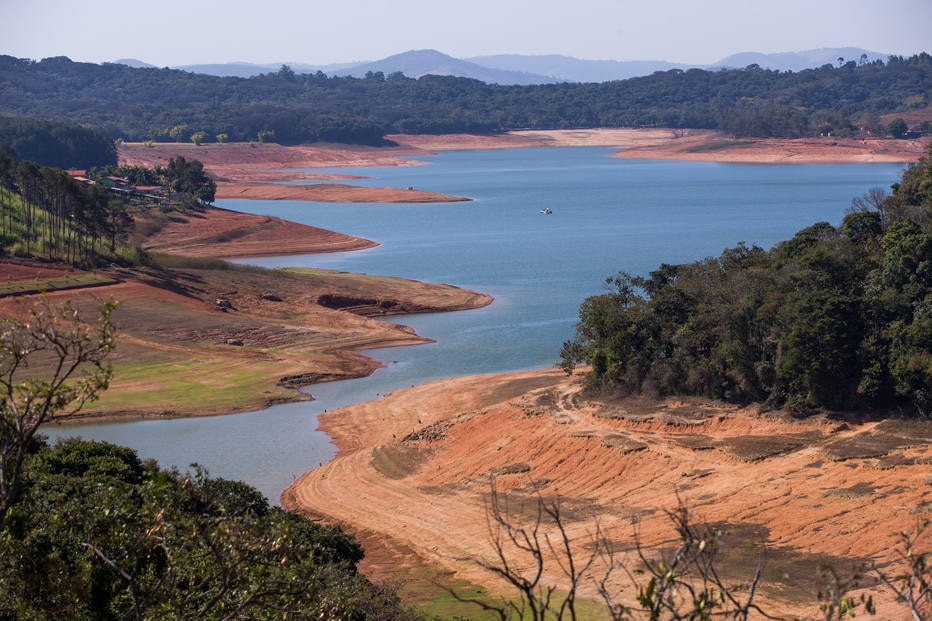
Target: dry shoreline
{"x":250,"y":170}
{"x":413,"y":474}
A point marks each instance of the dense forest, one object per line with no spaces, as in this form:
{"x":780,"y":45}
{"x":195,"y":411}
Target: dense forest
{"x":57,"y":144}
{"x":832,"y":318}
{"x":172,"y":105}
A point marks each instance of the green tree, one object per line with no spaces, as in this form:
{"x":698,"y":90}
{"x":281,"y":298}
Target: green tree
{"x":98,"y":534}
{"x":831,"y":318}
{"x":897,"y":128}
{"x":179,"y":133}
{"x":187,"y":177}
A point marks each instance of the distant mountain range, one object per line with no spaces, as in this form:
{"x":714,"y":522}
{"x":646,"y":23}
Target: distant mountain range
{"x":523,"y":69}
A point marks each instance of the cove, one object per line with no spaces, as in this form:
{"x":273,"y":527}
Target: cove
{"x":607,"y":215}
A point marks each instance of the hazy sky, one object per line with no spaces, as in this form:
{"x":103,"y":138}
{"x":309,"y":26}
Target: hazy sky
{"x":179,"y":32}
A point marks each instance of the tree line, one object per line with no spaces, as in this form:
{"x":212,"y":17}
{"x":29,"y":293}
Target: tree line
{"x":836,"y":317}
{"x":164,"y":104}
{"x":56,"y":144}
{"x":46,"y":213}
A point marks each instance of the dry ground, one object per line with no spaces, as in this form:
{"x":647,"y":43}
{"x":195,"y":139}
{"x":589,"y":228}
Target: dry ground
{"x":214,"y":341}
{"x":223,"y":233}
{"x":413,"y":476}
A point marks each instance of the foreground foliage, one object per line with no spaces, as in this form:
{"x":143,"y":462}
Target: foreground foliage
{"x":834,"y":317}
{"x":99,"y":534}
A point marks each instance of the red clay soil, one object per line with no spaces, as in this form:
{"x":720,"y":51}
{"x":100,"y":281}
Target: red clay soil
{"x":228,"y":234}
{"x":250,"y":170}
{"x":414,"y":470}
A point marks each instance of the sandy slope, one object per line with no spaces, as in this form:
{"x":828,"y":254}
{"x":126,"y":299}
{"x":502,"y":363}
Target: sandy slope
{"x":414,"y":470}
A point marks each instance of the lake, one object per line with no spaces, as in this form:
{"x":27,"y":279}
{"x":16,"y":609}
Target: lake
{"x":608,"y":215}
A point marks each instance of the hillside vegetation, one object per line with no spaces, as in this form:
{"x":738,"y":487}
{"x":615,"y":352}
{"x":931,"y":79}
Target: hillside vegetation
{"x":173,"y":105}
{"x":47,"y":213}
{"x":832,"y":318}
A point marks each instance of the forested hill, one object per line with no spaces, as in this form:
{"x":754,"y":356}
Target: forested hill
{"x":166,"y":104}
{"x":834,"y":318}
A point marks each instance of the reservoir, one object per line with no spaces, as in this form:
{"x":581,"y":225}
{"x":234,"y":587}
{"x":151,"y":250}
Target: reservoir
{"x":605,"y":215}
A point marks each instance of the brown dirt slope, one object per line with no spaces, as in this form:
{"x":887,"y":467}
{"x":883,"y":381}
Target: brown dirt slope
{"x":214,"y":341}
{"x":414,"y":469}
{"x":223,"y":233}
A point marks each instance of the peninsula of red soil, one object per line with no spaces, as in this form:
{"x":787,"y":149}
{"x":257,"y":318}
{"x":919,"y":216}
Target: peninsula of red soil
{"x":218,"y":339}
{"x":223,"y":233}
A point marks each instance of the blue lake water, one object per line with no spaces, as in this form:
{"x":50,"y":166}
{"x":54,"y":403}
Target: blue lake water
{"x":608,"y":214}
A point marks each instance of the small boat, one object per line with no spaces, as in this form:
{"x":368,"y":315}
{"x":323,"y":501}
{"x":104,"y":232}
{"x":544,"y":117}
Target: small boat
{"x":546,"y":211}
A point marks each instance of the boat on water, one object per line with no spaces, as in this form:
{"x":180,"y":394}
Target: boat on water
{"x":546,"y":211}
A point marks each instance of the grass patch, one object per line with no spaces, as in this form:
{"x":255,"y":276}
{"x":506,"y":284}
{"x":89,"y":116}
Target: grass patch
{"x":56,"y":283}
{"x":172,"y":261}
{"x":213,"y":384}
{"x":430,"y":589}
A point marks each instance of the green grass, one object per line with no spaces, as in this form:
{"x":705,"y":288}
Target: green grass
{"x":41,"y":285}
{"x":210,"y":381}
{"x":429,"y":589}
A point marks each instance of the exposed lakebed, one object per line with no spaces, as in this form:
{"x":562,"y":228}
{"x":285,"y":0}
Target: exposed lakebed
{"x":607,"y":215}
